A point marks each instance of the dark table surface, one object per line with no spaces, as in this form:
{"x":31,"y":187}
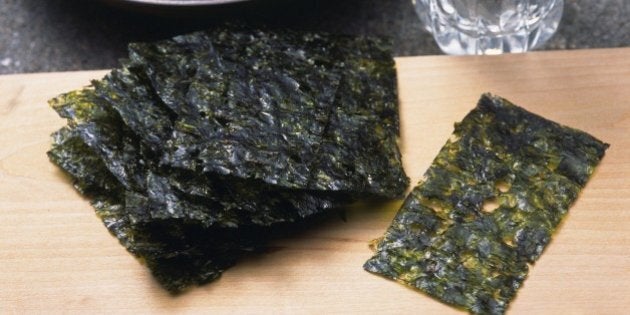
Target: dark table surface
{"x":60,"y":35}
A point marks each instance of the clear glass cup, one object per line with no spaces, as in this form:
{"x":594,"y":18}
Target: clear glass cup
{"x":480,"y":27}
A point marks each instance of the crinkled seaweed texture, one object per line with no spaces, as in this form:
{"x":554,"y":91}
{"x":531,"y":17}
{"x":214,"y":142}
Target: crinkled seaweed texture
{"x":200,"y":147}
{"x":447,"y":241}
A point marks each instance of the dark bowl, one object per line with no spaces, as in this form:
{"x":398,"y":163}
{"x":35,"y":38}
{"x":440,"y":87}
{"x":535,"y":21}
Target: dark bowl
{"x":172,"y":3}
{"x":187,"y":8}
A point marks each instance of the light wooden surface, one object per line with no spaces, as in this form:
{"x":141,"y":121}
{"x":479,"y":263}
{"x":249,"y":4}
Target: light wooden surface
{"x":56,"y":256}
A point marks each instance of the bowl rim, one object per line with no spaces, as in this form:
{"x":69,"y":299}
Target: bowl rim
{"x":182,"y":3}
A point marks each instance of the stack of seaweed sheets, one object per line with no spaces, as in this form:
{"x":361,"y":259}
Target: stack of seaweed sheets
{"x":199,"y":145}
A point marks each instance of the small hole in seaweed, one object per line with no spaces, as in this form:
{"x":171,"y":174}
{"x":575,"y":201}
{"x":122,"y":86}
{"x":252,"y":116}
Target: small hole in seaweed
{"x":503,"y":186}
{"x":509,"y":242}
{"x":489,"y":205}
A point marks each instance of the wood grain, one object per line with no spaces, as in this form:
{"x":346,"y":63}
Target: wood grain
{"x":55,"y":255}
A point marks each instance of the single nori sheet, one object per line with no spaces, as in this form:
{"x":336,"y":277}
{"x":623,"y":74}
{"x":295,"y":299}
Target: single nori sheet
{"x":199,"y":147}
{"x":445,"y":244}
{"x":219,"y":114}
{"x":250,"y":109}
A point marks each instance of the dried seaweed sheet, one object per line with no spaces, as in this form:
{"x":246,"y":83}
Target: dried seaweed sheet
{"x":179,"y":253}
{"x":249,"y":110}
{"x":445,"y":242}
{"x":274,"y":105}
{"x":173,"y":193}
{"x":199,"y":147}
{"x":366,"y":100}
{"x":368,"y":84}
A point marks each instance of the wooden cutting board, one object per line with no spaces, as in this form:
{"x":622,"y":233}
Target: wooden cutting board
{"x":55,"y":255}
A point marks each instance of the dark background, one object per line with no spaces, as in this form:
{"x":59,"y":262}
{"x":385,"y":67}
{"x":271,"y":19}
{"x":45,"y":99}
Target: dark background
{"x":59,"y":35}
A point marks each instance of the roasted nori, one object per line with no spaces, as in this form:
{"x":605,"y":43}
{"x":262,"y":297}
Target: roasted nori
{"x":445,"y":242}
{"x":175,"y":193}
{"x":199,"y":147}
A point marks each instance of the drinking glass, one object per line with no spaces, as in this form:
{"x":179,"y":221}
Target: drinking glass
{"x":480,"y":27}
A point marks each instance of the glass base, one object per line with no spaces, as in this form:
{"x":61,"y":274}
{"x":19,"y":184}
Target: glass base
{"x":453,"y":40}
